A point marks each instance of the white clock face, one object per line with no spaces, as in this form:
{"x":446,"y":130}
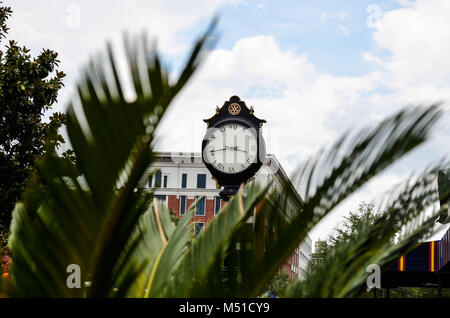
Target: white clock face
{"x":232,"y":148}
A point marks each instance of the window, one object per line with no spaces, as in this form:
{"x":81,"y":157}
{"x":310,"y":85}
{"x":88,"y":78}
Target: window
{"x":201,"y":181}
{"x":216,"y":205}
{"x":182,"y":204}
{"x":183,"y":180}
{"x":150,"y":179}
{"x":161,"y":198}
{"x":165,"y":181}
{"x":158,"y":179}
{"x":198,"y":227}
{"x":200,"y":208}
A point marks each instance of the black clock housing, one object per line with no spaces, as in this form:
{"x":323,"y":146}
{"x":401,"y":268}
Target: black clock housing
{"x":230,"y":113}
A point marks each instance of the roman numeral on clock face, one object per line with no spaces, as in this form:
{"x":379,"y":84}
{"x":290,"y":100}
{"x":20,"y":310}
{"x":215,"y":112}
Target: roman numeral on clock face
{"x":231,"y":148}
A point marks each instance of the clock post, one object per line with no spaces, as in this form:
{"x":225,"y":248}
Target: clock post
{"x":233,"y":148}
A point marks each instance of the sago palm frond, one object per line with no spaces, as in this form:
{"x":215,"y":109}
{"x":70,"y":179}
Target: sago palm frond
{"x":90,"y":221}
{"x":408,"y":218}
{"x":159,"y":249}
{"x":200,"y":269}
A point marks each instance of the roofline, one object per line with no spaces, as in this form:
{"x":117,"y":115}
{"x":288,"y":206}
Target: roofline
{"x":170,"y":154}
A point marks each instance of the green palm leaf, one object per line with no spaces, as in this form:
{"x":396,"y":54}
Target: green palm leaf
{"x":160,"y":248}
{"x":90,"y":220}
{"x":200,"y":271}
{"x":408,"y":218}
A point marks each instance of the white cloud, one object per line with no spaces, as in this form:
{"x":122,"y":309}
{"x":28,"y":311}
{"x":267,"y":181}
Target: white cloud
{"x":160,"y":18}
{"x":324,"y":17}
{"x":406,"y":2}
{"x":418,"y":41}
{"x":261,"y":6}
{"x":343,"y":15}
{"x":343,"y":30}
{"x":283,"y":86}
{"x":336,"y":17}
{"x":104,"y":20}
{"x":369,"y":57}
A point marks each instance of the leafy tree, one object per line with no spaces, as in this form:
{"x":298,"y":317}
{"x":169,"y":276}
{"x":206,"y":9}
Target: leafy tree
{"x":349,"y":231}
{"x":322,"y":248}
{"x":128,"y":247}
{"x":417,"y":292}
{"x":28,"y":89}
{"x":279,"y":282}
{"x":354,"y":222}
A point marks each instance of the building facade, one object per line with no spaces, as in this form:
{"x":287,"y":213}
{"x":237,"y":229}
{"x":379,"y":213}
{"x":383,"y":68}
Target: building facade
{"x":179,"y":179}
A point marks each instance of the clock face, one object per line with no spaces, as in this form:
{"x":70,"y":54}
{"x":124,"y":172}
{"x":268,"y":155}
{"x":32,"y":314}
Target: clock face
{"x":232,"y":148}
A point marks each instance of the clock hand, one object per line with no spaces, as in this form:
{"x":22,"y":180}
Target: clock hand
{"x":236,"y":148}
{"x":232,"y":148}
{"x":226,"y":147}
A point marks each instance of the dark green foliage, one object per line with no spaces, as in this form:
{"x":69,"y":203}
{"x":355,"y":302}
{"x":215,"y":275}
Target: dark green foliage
{"x":28,"y":89}
{"x":353,"y":224}
{"x":174,"y":217}
{"x":415,"y":292}
{"x":349,"y":231}
{"x":279,"y":282}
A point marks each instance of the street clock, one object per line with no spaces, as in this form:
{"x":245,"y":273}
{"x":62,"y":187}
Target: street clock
{"x":233,"y":148}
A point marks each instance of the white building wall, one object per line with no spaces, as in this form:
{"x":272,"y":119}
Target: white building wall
{"x":305,"y":251}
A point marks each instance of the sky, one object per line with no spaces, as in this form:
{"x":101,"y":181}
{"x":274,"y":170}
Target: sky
{"x":312,"y":69}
